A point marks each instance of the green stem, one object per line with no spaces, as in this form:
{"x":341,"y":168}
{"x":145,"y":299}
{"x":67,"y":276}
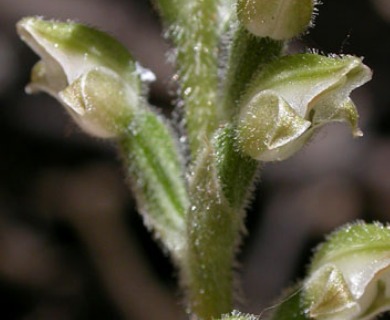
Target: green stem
{"x":222,"y":176}
{"x":215,"y":221}
{"x":212,"y":229}
{"x":194,"y":27}
{"x":197,"y":44}
{"x":156,"y":176}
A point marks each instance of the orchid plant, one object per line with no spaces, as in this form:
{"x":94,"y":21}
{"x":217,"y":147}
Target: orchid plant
{"x":243,"y":101}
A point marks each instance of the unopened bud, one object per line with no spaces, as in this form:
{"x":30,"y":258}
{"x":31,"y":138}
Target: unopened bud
{"x":276,"y":19}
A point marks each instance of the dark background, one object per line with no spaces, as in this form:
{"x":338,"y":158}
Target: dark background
{"x":71,"y":243}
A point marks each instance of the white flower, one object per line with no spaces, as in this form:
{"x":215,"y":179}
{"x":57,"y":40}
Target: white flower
{"x":293,"y":96}
{"x":349,"y":277}
{"x":89,"y":72}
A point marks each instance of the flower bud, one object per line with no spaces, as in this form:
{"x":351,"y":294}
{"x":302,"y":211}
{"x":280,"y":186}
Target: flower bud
{"x":349,"y":277}
{"x":89,"y":72}
{"x":293,"y":96}
{"x":276,"y":19}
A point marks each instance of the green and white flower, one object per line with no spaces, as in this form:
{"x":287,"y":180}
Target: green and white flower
{"x":89,"y":72}
{"x":349,"y":277}
{"x":292,"y":97}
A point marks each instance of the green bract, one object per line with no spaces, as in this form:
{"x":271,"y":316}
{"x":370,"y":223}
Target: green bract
{"x":293,"y":96}
{"x":349,"y":277}
{"x":277,"y":19}
{"x":89,"y":72}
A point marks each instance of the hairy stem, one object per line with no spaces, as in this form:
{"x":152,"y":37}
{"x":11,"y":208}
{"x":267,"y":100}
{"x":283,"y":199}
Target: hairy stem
{"x":194,"y":28}
{"x":212,"y":229}
{"x":215,"y":220}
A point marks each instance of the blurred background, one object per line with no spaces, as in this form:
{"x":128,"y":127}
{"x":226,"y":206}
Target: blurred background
{"x":72,"y":245}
